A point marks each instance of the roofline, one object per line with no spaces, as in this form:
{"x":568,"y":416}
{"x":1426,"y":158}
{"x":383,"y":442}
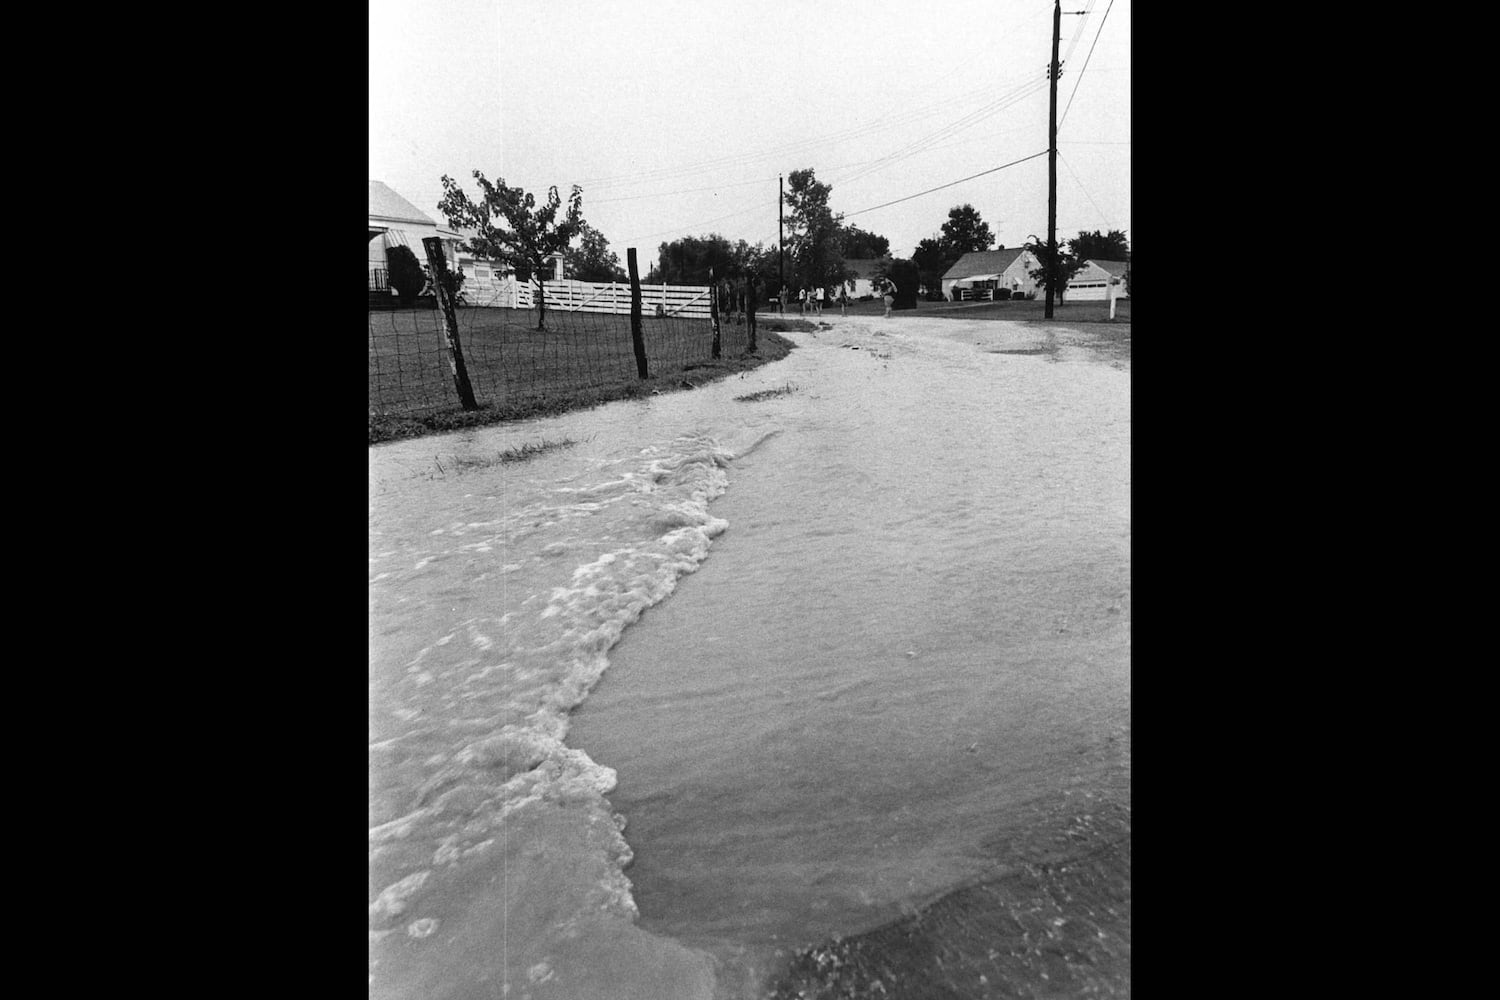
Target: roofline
{"x":968,"y":253}
{"x":403,"y":218}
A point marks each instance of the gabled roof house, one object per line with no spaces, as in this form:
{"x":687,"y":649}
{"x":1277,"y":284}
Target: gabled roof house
{"x":394,"y":221}
{"x":862,"y":285}
{"x":1092,"y":280}
{"x":985,"y":269}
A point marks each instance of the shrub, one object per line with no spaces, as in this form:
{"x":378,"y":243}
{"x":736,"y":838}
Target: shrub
{"x":407,"y":279}
{"x":455,"y":282}
{"x":907,"y":277}
{"x":1001,"y":294}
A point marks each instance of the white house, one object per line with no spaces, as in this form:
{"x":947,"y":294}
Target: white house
{"x":976,"y":274}
{"x":491,"y":282}
{"x":862,"y":286}
{"x":394,"y":221}
{"x":1091,"y":281}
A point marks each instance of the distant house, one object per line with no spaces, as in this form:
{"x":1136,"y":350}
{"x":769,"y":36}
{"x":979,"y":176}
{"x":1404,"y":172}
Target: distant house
{"x":492,"y":282}
{"x":394,"y":221}
{"x":862,"y":286}
{"x":976,"y":274}
{"x":486,"y":281}
{"x":1091,"y":282}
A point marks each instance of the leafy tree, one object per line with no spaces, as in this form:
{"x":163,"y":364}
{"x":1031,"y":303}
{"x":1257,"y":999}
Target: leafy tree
{"x":965,"y":232}
{"x":453,"y":280}
{"x":1100,"y":246}
{"x":592,"y":259}
{"x":406,"y":274}
{"x":860,"y":245}
{"x":932,"y":260}
{"x":816,"y":243}
{"x":758,"y":265}
{"x":688,"y":260}
{"x":531,"y":235}
{"x":1067,"y":266}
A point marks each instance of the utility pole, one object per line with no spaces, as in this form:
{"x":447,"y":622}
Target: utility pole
{"x":1052,"y":74}
{"x":780,"y":234}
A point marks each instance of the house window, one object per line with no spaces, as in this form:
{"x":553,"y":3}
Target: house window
{"x":482,"y":272}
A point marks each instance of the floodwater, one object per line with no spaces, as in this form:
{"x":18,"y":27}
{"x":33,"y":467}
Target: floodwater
{"x":654,"y":712}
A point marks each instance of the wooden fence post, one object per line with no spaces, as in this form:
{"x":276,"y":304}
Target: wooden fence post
{"x":636,"y":338}
{"x":752,"y":292}
{"x":439,"y":264}
{"x":713,"y":311}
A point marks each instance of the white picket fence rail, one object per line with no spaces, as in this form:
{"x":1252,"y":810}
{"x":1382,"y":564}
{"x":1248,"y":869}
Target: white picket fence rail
{"x":690,"y":301}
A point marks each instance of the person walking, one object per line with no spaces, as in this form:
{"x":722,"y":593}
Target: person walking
{"x":783,"y":300}
{"x":818,"y":303}
{"x":802,"y":300}
{"x":843,"y":300}
{"x":890,"y":296}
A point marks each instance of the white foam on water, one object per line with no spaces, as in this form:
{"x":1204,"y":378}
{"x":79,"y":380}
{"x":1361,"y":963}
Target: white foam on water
{"x":454,"y":794}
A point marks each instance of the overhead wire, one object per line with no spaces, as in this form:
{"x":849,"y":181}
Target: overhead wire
{"x":924,"y":144}
{"x":961,"y":124}
{"x":1085,"y":190}
{"x":879,"y":124}
{"x":772,"y":179}
{"x":948,"y":185}
{"x":1088,"y":9}
{"x":1079,"y":79}
{"x":671,"y":194}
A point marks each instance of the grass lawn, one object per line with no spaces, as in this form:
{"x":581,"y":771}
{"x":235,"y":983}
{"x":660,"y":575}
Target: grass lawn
{"x":517,"y":372}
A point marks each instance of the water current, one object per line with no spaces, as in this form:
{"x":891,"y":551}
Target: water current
{"x":719,"y":692}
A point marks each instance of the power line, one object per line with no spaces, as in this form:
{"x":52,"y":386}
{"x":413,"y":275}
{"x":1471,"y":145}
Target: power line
{"x":880,"y":124}
{"x":1086,"y":58}
{"x":834,"y":167}
{"x":948,"y":185}
{"x":884,"y":123}
{"x":1084,"y":189}
{"x":671,"y":194}
{"x":636,"y":240}
{"x":1088,"y":9}
{"x":924,"y":144}
{"x":953,"y":128}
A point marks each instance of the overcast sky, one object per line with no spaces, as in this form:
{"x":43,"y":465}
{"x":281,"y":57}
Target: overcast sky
{"x":677,"y":116}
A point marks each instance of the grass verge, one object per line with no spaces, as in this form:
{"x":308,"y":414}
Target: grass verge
{"x":756,"y":397}
{"x":553,"y":401}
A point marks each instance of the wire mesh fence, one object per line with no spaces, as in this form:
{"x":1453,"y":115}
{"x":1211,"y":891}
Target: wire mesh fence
{"x":510,"y":360}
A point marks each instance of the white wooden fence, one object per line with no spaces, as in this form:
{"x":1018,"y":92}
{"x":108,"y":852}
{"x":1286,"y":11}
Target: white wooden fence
{"x":690,"y":301}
